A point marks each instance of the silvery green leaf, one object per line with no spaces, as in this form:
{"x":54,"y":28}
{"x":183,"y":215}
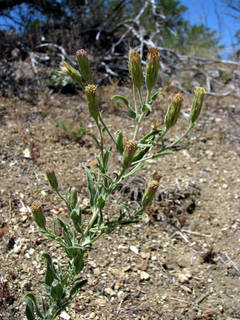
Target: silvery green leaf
{"x":29,"y":311}
{"x":132,"y":113}
{"x":141,"y":154}
{"x":106,"y":159}
{"x":66,"y":234}
{"x":31,"y":305}
{"x":50,"y":272}
{"x":57,"y":291}
{"x":147,"y":108}
{"x":119,"y":144}
{"x":76,"y":288}
{"x":76,"y":219}
{"x":78,"y":262}
{"x":91,"y":188}
{"x":133,"y":171}
{"x":161,"y":154}
{"x":156,"y":95}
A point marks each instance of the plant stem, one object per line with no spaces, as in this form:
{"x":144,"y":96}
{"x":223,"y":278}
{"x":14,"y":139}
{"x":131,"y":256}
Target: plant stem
{"x":135,"y":100}
{"x":106,"y":128}
{"x":101,"y":139}
{"x":164,"y":148}
{"x":138,"y":126}
{"x":91,"y":222}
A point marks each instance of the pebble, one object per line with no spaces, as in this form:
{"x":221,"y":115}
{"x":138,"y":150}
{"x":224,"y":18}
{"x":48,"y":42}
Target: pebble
{"x":18,"y":246}
{"x":184,"y":276}
{"x":31,"y":251}
{"x":144,"y":276}
{"x":27,"y":153}
{"x":101,"y":302}
{"x":134,"y":249}
{"x":110,"y":292}
{"x":65,"y":316}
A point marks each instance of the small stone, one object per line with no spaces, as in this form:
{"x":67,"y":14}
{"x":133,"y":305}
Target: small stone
{"x":143,"y":266}
{"x":145,"y":255}
{"x":144,"y":276}
{"x":65,"y":316}
{"x":31,"y":251}
{"x":134,"y":249}
{"x":110,"y":292}
{"x":92,"y":264}
{"x":184,"y":276}
{"x":117,"y":273}
{"x":118,"y":285}
{"x":101,"y":302}
{"x":186,"y":289}
{"x":96,"y":271}
{"x":27,"y":153}
{"x":18,"y":246}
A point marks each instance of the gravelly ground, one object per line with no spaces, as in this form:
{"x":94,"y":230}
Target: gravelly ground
{"x":181,"y":263}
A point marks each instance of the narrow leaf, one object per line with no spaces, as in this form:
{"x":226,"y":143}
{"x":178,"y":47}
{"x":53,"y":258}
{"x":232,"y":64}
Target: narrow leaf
{"x":29,"y":312}
{"x":106,"y":159}
{"x":76,"y":219}
{"x":156,"y":95}
{"x":78,"y":262}
{"x":66,"y":234}
{"x":147,"y":109}
{"x":30,"y":300}
{"x":91,"y":188}
{"x":119,"y":144}
{"x":123,"y":99}
{"x":141,"y":154}
{"x":133,"y":171}
{"x":50,"y":272}
{"x":76,"y":288}
{"x":132,"y":113}
{"x":57,"y":292}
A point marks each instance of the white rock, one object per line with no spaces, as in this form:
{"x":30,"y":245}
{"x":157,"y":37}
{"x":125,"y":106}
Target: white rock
{"x":134,"y":249}
{"x":64,"y":315}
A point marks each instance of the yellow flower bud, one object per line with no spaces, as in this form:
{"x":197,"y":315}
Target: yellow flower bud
{"x":157,"y":176}
{"x":73,"y":198}
{"x":135,"y":69}
{"x":83,"y":63}
{"x":149,"y":193}
{"x":38,"y":215}
{"x":197,"y":103}
{"x":91,"y":94}
{"x":173,"y":111}
{"x":52,"y":179}
{"x":68,"y":70}
{"x":130,"y":149}
{"x":152,"y":67}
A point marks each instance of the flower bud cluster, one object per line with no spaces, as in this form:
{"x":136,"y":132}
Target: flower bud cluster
{"x":84,"y":65}
{"x":135,"y":69}
{"x":91,"y":94}
{"x":68,"y":70}
{"x":150,"y":193}
{"x":152,"y":67}
{"x":52,"y":179}
{"x":197,"y":104}
{"x":173,"y":111}
{"x":130,"y":149}
{"x":38,"y":215}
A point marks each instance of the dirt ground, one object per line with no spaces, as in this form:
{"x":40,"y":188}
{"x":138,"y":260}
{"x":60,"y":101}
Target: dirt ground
{"x":183,"y":262}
